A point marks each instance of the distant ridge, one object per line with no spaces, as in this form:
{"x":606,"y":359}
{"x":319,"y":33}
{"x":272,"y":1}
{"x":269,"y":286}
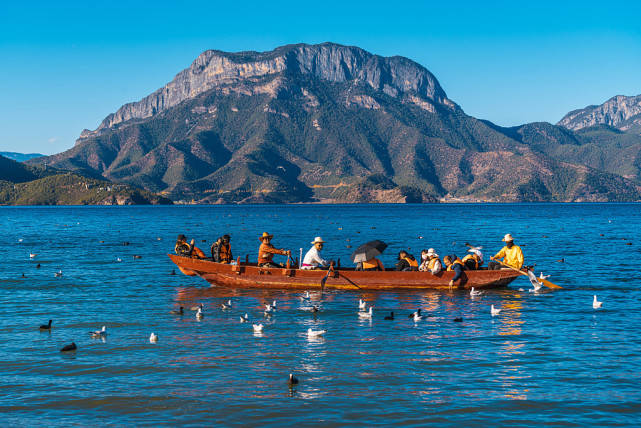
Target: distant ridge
{"x":20,"y":157}
{"x":620,"y":112}
{"x":334,"y":123}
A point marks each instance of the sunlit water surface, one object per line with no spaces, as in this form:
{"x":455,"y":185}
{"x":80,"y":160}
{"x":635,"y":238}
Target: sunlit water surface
{"x":547,"y":358}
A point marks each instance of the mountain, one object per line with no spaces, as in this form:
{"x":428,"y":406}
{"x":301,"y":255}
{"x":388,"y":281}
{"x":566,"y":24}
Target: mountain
{"x":22,"y":184}
{"x":620,"y":112}
{"x":327,"y":123}
{"x":20,"y":157}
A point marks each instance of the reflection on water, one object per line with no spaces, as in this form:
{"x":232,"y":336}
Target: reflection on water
{"x":541,"y":352}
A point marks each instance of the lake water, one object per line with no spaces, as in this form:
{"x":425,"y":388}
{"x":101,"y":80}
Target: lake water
{"x":548,"y":358}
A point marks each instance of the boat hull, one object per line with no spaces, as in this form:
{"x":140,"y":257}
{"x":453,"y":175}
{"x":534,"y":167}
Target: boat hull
{"x":252,"y":276}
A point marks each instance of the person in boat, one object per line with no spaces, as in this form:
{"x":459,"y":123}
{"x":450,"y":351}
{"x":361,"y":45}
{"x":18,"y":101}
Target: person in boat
{"x":266,"y":251}
{"x":474,"y":260}
{"x":184,"y":249}
{"x":406,"y":262}
{"x":312,"y":259}
{"x":221,"y":250}
{"x":371,"y":265}
{"x":432,"y":263}
{"x":454,"y":264}
{"x":511,"y":254}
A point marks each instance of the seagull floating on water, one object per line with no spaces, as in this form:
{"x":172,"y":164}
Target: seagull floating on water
{"x":306,"y":296}
{"x":195,"y":308}
{"x":46,"y":326}
{"x":153,"y":338}
{"x":244,"y":318}
{"x":315,"y":333}
{"x":362,"y":306}
{"x":494,"y":311}
{"x":269,"y":309}
{"x":99,"y":333}
{"x":474,"y":293}
{"x":367,"y":314}
{"x":418,"y":311}
{"x":118,"y":259}
{"x":596,"y":304}
{"x":58,"y":274}
{"x":417,"y":316}
{"x":32,"y":255}
{"x":225,"y":306}
{"x":199,"y":314}
{"x":258,"y":328}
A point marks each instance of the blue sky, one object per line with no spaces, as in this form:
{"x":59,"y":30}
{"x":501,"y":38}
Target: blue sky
{"x":66,"y":66}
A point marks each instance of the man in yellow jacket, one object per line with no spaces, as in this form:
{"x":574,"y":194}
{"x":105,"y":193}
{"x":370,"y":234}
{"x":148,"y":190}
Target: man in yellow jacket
{"x":511,"y":254}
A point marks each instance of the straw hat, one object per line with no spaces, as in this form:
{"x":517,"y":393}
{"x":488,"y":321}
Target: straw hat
{"x":266,"y":235}
{"x":318,"y":240}
{"x":508,"y":238}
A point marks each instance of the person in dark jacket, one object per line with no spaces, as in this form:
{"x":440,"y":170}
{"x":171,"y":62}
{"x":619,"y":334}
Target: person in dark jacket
{"x":221,"y":250}
{"x":455,"y":264}
{"x":215,"y":250}
{"x":406,"y":262}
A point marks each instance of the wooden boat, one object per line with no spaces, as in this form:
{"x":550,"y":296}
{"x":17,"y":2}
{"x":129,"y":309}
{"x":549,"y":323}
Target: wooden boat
{"x":249,"y":275}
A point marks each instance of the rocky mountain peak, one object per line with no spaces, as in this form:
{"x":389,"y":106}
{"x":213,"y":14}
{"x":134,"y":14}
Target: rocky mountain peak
{"x":621,"y":112}
{"x":395,"y":76}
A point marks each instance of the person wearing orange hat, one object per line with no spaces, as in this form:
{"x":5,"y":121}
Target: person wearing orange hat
{"x":266,"y":251}
{"x":511,"y":254}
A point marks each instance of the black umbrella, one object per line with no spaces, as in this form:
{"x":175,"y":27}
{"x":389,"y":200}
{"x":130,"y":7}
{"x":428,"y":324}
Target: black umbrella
{"x":369,"y":250}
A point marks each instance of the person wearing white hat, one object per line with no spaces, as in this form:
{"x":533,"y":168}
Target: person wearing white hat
{"x":511,"y":254}
{"x":312,"y":259}
{"x":431,"y":262}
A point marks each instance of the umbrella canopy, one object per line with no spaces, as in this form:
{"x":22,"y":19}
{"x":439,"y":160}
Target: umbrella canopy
{"x":368,"y":250}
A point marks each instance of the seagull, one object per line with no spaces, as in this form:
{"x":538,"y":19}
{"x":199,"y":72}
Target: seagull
{"x":315,"y":333}
{"x":418,"y":311}
{"x":534,"y":281}
{"x":118,"y":259}
{"x":390,"y":316}
{"x":274,"y":304}
{"x":58,"y":274}
{"x":367,"y":314}
{"x":494,"y":311}
{"x":46,"y":326}
{"x":99,"y":333}
{"x":362,"y":306}
{"x":32,"y":255}
{"x":68,"y":348}
{"x":269,"y":309}
{"x":541,"y":276}
{"x":258,"y":328}
{"x":315,"y":309}
{"x":596,"y":304}
{"x":20,"y":240}
{"x":417,"y":316}
{"x":244,"y":318}
{"x":224,"y":306}
{"x":195,"y":308}
{"x":199,"y":314}
{"x":177,"y":312}
{"x":153,"y":338}
{"x":474,"y":292}
{"x":292,"y":380}
{"x":306,"y":296}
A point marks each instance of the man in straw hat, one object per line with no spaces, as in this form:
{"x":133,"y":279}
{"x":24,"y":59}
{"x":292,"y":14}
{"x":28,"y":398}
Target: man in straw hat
{"x":312,"y":259}
{"x":266,"y":251}
{"x":511,"y":254}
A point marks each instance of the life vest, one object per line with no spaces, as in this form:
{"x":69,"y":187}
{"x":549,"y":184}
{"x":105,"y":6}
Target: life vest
{"x":373,"y":263}
{"x":455,"y":262}
{"x":183,"y":249}
{"x":432,"y":263}
{"x":412,"y":262}
{"x":472,"y":257}
{"x":225,"y":253}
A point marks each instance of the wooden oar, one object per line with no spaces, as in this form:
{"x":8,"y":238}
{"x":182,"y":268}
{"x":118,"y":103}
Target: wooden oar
{"x":545,"y":282}
{"x":324,"y":280}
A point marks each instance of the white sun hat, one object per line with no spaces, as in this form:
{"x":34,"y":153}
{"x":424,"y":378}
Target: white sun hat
{"x":508,"y":238}
{"x":431,"y":252}
{"x":318,"y":240}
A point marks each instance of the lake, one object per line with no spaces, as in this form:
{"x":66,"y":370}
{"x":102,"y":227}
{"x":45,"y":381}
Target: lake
{"x":547,"y":358}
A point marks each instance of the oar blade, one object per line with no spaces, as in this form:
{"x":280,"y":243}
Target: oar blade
{"x":549,"y":284}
